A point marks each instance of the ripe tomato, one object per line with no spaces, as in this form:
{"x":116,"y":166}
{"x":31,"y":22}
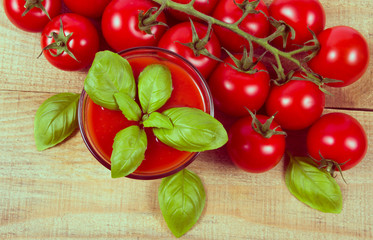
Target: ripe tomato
{"x":35,"y":19}
{"x":298,"y":103}
{"x":338,"y":137}
{"x":299,"y":14}
{"x":233,"y":91}
{"x":87,"y":8}
{"x":120,"y":25}
{"x":254,"y":24}
{"x":182,"y":33}
{"x":344,"y":55}
{"x":203,"y":6}
{"x":83,"y":42}
{"x":252,"y":152}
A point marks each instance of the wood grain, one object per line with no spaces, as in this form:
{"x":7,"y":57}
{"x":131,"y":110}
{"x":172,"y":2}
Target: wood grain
{"x":64,"y":193}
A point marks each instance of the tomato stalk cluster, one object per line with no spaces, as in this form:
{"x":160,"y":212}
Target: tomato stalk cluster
{"x":282,"y":30}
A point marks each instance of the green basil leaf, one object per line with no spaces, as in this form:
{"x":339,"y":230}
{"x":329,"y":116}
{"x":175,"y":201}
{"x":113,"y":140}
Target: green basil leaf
{"x":128,"y":106}
{"x":158,"y":120}
{"x":109,"y":73}
{"x":193,"y":131}
{"x":128,"y":151}
{"x":181,"y":199}
{"x":312,"y":186}
{"x":55,"y":120}
{"x":155,"y":87}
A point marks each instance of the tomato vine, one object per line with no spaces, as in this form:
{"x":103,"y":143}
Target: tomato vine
{"x":310,"y":46}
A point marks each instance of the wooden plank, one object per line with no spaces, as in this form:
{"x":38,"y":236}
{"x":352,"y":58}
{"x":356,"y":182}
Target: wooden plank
{"x":64,"y":192}
{"x":21,"y":70}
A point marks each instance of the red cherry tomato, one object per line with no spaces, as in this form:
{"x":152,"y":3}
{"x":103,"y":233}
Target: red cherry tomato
{"x":120,"y":25}
{"x":83,"y":43}
{"x":251,"y":151}
{"x":297,"y":103}
{"x":254,"y":24}
{"x":299,"y":14}
{"x":234,"y":91}
{"x":35,"y":19}
{"x":182,"y":33}
{"x":338,"y":137}
{"x":344,"y":55}
{"x":203,"y":6}
{"x":87,"y":8}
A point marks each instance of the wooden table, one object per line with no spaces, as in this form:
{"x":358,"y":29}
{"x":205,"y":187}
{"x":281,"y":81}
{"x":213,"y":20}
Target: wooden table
{"x":64,"y":193}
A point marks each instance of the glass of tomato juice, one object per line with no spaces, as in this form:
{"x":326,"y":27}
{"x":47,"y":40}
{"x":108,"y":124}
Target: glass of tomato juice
{"x":98,"y":125}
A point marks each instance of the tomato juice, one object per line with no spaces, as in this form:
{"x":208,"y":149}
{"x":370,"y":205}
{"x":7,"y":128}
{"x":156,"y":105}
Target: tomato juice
{"x":101,"y":124}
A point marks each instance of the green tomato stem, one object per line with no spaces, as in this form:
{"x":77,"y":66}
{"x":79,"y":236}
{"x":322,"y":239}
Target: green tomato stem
{"x":153,"y":17}
{"x":263,"y":42}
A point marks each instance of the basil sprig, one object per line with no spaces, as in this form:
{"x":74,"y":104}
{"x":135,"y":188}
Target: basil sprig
{"x":110,"y":73}
{"x":181,"y":199}
{"x":312,"y":186}
{"x":55,"y":120}
{"x":110,"y":84}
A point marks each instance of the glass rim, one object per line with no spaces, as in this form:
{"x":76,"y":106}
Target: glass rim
{"x":209,"y":105}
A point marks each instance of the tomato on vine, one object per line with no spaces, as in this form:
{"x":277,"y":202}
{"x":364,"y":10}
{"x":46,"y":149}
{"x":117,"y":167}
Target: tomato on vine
{"x":337,"y":139}
{"x":196,"y":43}
{"x":297,"y":103}
{"x":255,"y":23}
{"x":87,"y":8}
{"x":132,"y":23}
{"x":343,"y":55}
{"x":256,"y":143}
{"x":302,"y":16}
{"x":240,"y":82}
{"x":31,"y":15}
{"x":70,"y":42}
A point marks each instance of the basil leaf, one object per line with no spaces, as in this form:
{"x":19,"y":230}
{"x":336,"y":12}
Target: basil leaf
{"x":128,"y":151}
{"x":181,"y":199}
{"x":155,"y":87}
{"x":158,"y":120}
{"x":193,"y":131}
{"x":55,"y":120}
{"x":128,"y":106}
{"x":312,"y":186}
{"x":109,"y":73}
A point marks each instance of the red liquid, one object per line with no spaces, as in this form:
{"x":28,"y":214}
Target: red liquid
{"x":103,"y":124}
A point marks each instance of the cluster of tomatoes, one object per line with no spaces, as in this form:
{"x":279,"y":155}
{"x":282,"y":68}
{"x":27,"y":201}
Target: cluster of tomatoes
{"x":240,"y":83}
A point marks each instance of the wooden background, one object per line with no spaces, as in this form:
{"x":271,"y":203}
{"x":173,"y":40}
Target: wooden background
{"x":64,"y":193}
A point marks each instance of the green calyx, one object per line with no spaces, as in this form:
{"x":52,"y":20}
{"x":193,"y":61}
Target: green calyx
{"x":316,"y":79}
{"x":264,"y":129}
{"x":30,"y":4}
{"x":247,"y":6}
{"x":148,"y":19}
{"x":198,"y":46}
{"x":282,"y":79}
{"x":282,"y":29}
{"x":246,"y":64}
{"x":330,"y":166}
{"x":305,"y":76}
{"x":60,"y":43}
